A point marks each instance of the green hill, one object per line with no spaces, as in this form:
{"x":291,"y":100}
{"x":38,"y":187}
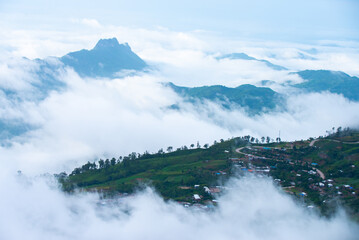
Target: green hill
{"x":253,"y":99}
{"x":319,"y":172}
{"x":331,"y":81}
{"x":168,"y":172}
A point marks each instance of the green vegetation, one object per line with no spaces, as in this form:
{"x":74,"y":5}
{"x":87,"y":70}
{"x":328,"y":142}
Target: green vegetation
{"x":316,"y":171}
{"x":331,"y":81}
{"x":296,"y":164}
{"x":253,"y":99}
{"x":173,"y":174}
{"x":257,"y":100}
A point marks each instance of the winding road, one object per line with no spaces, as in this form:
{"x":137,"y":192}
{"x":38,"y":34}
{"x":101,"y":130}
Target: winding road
{"x":311,"y":144}
{"x":320,"y":173}
{"x":238,"y":150}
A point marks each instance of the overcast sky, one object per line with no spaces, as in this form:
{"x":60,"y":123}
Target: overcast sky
{"x":303,"y":21}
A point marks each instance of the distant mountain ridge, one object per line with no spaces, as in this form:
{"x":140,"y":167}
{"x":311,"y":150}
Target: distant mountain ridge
{"x":331,"y":81}
{"x":109,"y":57}
{"x":253,"y":99}
{"x":244,"y":56}
{"x":257,"y":100}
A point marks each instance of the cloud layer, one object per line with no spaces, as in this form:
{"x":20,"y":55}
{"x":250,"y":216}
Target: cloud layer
{"x":252,"y":208}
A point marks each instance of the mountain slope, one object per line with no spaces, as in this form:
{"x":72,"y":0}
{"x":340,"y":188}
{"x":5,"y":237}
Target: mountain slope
{"x":254,"y":99}
{"x":332,"y":81}
{"x":322,"y":172}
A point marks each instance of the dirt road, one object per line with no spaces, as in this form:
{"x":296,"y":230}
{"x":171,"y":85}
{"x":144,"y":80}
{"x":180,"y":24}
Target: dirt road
{"x":238,"y":150}
{"x":321,"y":174}
{"x":311,"y":144}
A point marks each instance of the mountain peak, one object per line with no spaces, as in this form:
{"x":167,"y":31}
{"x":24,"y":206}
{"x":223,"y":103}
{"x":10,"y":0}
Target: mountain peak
{"x":237,"y":56}
{"x":106,"y":59}
{"x":109,"y":43}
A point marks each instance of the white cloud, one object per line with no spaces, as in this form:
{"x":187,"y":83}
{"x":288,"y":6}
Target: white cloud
{"x":89,"y":22}
{"x":92,"y":118}
{"x":16,"y":75}
{"x":252,"y":208}
{"x":101,"y":117}
{"x":97,"y":117}
{"x":182,"y":51}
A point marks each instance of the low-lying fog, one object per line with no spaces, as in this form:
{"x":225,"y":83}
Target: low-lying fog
{"x":252,"y":208}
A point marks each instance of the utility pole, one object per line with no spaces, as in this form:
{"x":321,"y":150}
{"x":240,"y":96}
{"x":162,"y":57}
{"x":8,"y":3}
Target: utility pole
{"x":279,"y":140}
